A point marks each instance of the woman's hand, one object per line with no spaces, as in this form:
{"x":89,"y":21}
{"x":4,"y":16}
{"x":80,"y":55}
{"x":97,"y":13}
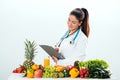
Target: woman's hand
{"x":55,"y":59}
{"x":56,"y":48}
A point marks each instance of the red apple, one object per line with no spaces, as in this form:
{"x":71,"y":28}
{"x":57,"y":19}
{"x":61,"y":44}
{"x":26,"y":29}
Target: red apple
{"x":38,"y":73}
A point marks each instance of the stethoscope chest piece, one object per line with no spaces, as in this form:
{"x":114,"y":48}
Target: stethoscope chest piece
{"x":71,"y":42}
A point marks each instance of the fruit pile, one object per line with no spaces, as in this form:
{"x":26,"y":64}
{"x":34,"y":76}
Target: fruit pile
{"x":57,"y":71}
{"x":87,"y":69}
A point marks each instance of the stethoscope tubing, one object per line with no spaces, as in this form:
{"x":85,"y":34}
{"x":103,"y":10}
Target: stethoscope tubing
{"x":65,"y":36}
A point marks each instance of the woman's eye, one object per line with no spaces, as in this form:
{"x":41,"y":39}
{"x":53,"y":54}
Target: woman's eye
{"x":68,"y":19}
{"x":74,"y":22}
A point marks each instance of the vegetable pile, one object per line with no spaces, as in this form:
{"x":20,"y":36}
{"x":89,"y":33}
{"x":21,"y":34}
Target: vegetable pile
{"x":95,"y":69}
{"x":85,"y":69}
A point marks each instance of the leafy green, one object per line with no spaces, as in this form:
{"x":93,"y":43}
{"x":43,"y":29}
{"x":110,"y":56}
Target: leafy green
{"x":97,"y":68}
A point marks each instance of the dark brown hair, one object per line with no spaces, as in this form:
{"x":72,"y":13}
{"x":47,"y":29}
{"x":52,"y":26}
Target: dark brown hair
{"x":82,"y":15}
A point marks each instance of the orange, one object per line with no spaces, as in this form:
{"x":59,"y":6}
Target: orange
{"x":59,"y":68}
{"x":35,"y":66}
{"x":30,"y":75}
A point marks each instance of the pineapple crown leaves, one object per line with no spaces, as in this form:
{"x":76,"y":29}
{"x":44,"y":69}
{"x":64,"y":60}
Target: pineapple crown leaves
{"x":30,"y":48}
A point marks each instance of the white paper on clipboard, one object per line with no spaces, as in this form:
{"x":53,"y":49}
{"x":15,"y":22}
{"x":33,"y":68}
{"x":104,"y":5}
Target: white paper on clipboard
{"x":51,"y":51}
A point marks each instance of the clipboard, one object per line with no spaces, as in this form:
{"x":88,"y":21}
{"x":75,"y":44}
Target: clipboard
{"x":51,"y":51}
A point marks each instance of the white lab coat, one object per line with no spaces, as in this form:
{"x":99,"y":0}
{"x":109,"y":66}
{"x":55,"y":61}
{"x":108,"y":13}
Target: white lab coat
{"x":73,"y":52}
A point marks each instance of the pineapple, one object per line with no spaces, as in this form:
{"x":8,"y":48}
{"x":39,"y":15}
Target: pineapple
{"x":29,"y":54}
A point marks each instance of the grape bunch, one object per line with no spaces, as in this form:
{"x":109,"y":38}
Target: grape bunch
{"x":50,"y":72}
{"x":84,"y":72}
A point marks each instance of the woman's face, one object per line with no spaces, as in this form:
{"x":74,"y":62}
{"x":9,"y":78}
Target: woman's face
{"x":73,"y":23}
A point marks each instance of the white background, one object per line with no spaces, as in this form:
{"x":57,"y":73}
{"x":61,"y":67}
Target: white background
{"x":45,"y":22}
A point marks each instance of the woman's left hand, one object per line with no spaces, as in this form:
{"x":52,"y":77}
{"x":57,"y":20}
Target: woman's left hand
{"x":56,"y":49}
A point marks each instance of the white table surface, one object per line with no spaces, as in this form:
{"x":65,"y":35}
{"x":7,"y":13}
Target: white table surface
{"x":14,"y":76}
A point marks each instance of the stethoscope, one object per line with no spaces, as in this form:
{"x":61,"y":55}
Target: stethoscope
{"x":65,"y":36}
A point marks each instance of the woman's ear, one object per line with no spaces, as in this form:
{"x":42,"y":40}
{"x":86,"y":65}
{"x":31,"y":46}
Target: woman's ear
{"x":80,"y":23}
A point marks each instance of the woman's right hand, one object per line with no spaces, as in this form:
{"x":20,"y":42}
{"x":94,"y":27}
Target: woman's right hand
{"x":55,"y":59}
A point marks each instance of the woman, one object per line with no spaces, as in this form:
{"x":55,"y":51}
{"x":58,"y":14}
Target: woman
{"x":73,"y":44}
